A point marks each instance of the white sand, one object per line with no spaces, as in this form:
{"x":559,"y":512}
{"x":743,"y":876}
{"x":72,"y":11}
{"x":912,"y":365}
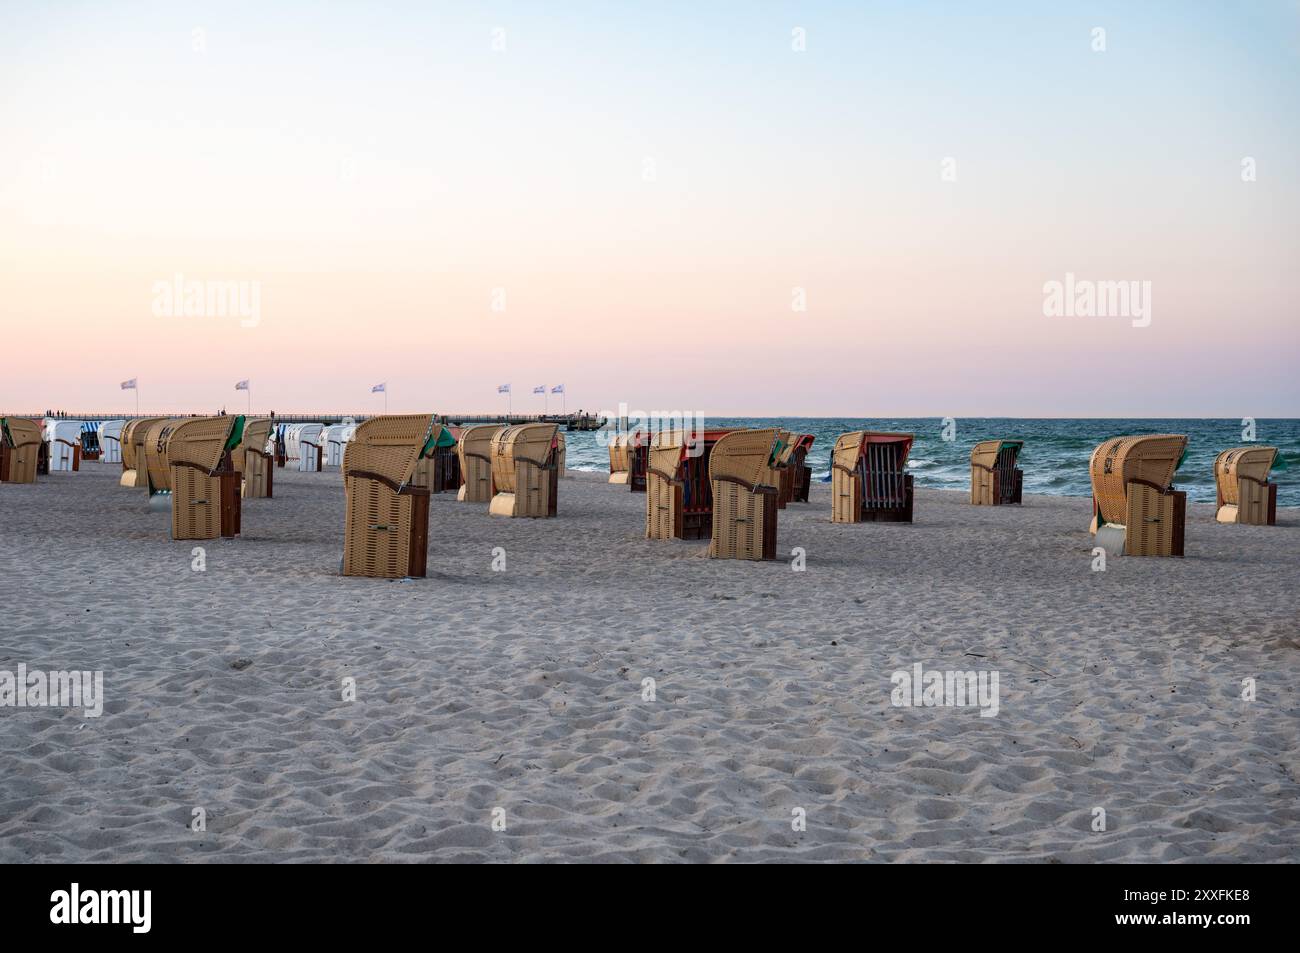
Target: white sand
{"x":522,"y":689}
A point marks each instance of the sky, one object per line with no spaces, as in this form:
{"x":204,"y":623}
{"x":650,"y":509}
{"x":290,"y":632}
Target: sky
{"x":731,"y":208}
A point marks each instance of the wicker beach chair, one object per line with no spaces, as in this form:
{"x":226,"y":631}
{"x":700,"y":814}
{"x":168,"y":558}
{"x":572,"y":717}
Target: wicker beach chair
{"x":63,"y":439}
{"x":994,"y":478}
{"x":619,"y":467}
{"x":20,"y":446}
{"x":679,"y":496}
{"x":158,"y":476}
{"x":474,"y":448}
{"x":254,"y":461}
{"x":135,"y":471}
{"x":795,"y":475}
{"x":663,"y":498}
{"x":386,"y":529}
{"x":1136,"y":510}
{"x":524,"y":471}
{"x":869,"y":478}
{"x":438,"y":469}
{"x":1241,"y":481}
{"x":629,"y":455}
{"x":742,"y":479}
{"x":204,"y":482}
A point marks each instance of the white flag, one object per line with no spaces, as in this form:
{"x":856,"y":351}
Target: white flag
{"x":540,"y":390}
{"x":242,"y":385}
{"x":557,"y":389}
{"x":503,"y":389}
{"x":128,"y":385}
{"x":380,"y":388}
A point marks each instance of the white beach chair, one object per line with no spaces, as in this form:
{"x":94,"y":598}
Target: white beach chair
{"x":302,"y":447}
{"x":110,"y":441}
{"x":63,"y":437}
{"x":334,"y":439}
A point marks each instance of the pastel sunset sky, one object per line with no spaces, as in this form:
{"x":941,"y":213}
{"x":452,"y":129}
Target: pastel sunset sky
{"x":644,"y":193}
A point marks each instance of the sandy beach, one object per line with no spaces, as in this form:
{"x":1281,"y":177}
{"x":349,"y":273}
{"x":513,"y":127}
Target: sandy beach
{"x":523,"y":689}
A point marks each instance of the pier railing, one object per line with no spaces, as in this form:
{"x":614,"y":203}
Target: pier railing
{"x":565,"y":421}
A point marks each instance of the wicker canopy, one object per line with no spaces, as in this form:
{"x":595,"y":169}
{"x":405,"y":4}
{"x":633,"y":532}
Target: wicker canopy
{"x":985,"y":453}
{"x":1115,"y":463}
{"x":524,"y":471}
{"x":154,"y":446}
{"x":389,"y":447}
{"x":531,"y":443}
{"x":745,"y":457}
{"x":257,"y":431}
{"x":202,"y":442}
{"x":133,"y":435}
{"x":1250,"y":463}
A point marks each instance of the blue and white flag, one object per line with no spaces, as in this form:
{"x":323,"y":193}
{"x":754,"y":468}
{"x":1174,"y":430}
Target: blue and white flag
{"x":540,"y":389}
{"x":128,"y":385}
{"x":503,"y":389}
{"x":380,"y":388}
{"x":557,"y":389}
{"x":242,"y":385}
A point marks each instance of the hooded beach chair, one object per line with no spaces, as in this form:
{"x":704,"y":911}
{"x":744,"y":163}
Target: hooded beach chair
{"x":1241,"y":481}
{"x":20,"y":447}
{"x":1136,"y":510}
{"x":302,"y":447}
{"x":663,"y":498}
{"x":679,"y":496}
{"x":334,"y":438}
{"x":158,"y":476}
{"x":205,"y":485}
{"x":63,"y":438}
{"x":869,"y":478}
{"x":434,"y":472}
{"x":89,"y":437}
{"x":386,"y":527}
{"x":110,"y":441}
{"x":474,"y":448}
{"x":135,"y":471}
{"x":524,"y":472}
{"x":619,"y":467}
{"x":629,"y":455}
{"x":795,"y":474}
{"x":254,"y":461}
{"x":744,"y":482}
{"x":994,"y":478}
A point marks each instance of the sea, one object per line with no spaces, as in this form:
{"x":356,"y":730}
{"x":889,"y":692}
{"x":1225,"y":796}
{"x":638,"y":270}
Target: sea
{"x":1054,"y":458}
